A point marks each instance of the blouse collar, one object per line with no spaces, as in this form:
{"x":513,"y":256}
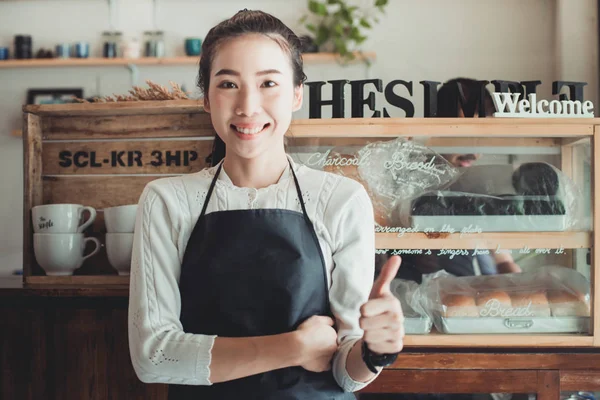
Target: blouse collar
{"x":225,"y":180}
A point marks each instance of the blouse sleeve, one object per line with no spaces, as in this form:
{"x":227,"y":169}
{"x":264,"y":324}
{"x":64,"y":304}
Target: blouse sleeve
{"x":161,"y":352}
{"x":353,"y":237}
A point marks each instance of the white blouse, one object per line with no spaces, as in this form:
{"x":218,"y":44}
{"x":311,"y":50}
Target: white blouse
{"x":342,"y":215}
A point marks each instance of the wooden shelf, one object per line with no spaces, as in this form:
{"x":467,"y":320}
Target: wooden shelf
{"x":100,"y":62}
{"x":487,"y":240}
{"x":96,"y":62}
{"x":435,"y":339}
{"x":488,"y":128}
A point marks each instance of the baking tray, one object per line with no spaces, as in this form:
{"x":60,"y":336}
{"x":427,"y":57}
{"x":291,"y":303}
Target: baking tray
{"x":492,"y":223}
{"x":417,"y":325}
{"x":516,"y":325}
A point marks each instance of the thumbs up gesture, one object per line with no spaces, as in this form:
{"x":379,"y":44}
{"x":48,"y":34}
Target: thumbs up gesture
{"x":381,"y":316}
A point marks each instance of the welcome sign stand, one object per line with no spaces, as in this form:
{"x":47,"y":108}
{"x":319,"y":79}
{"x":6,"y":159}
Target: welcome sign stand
{"x":509,"y":105}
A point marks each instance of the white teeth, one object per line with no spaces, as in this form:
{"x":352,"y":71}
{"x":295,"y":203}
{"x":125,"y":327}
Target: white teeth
{"x":249,"y":131}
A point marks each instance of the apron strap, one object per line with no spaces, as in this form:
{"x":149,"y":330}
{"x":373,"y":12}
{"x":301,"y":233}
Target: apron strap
{"x":210,"y":190}
{"x":214,"y":181}
{"x":300,"y":198}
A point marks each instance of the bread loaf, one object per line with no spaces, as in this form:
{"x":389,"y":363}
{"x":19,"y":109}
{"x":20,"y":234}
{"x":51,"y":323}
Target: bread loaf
{"x":492,"y":303}
{"x":459,"y":305}
{"x":499,"y":295}
{"x":536,"y":301}
{"x":536,"y":179}
{"x":568,"y":304}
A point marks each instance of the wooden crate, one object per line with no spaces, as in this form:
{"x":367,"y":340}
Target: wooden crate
{"x":102,"y":155}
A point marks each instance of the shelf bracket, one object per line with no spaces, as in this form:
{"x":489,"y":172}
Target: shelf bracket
{"x":134,"y":74}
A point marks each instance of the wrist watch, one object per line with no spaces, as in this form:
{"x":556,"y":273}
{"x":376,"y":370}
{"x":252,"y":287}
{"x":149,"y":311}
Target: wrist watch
{"x":373,"y":360}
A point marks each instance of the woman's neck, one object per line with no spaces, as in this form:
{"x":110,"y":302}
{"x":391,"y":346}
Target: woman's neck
{"x":255,"y":173}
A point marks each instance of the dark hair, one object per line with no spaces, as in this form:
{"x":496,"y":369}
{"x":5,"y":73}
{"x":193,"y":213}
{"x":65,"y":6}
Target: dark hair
{"x":245,"y":22}
{"x":469,"y":95}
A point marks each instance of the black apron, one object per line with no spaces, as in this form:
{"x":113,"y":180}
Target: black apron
{"x":254,"y":273}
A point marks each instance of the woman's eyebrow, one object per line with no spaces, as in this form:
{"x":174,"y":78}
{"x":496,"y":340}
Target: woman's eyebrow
{"x":235,"y":73}
{"x":268,"y":71}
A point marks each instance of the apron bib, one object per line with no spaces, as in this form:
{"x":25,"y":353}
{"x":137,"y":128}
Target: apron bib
{"x":254,"y":273}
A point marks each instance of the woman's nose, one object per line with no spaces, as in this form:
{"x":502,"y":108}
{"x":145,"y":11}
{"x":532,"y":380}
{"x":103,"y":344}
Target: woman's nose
{"x":249,"y":103}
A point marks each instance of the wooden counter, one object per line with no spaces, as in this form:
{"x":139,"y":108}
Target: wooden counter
{"x":72,"y":344}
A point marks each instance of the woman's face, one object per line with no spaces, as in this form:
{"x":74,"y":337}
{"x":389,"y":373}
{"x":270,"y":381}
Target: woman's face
{"x":251,"y":96}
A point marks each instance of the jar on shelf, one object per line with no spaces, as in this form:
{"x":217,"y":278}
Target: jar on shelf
{"x":111,"y":47}
{"x":132,"y":48}
{"x":154,"y":44}
{"x":23,"y":47}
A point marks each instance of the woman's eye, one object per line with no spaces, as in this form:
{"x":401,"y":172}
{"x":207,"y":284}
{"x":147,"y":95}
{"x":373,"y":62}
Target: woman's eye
{"x":269,"y":84}
{"x":227,"y":85}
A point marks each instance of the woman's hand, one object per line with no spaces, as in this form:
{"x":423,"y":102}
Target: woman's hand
{"x":318,"y":343}
{"x":505,"y":264}
{"x":381,"y":316}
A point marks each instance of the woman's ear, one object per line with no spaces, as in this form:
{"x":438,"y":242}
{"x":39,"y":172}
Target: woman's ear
{"x":298,"y":96}
{"x":206,"y":104}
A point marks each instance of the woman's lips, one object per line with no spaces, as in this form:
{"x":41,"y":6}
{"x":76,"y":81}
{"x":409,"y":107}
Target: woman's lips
{"x":249,"y":131}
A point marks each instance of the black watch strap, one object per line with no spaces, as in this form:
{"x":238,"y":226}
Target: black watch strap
{"x":365,"y":352}
{"x":373,"y":360}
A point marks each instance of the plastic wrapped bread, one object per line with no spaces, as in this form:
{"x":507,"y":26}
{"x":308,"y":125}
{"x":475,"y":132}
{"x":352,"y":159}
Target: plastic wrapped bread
{"x":393,"y":172}
{"x":416,"y":321}
{"x":544,"y":296}
{"x":532,"y":197}
{"x":410,"y":299}
{"x":565,"y":303}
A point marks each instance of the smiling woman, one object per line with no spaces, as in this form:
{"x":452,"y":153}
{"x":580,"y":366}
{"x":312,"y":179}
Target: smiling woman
{"x":254,"y":277}
{"x":253,"y":90}
{"x":277,"y":67}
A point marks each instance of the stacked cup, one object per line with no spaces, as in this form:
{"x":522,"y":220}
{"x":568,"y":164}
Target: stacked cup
{"x":120,"y":224}
{"x":58,"y":239}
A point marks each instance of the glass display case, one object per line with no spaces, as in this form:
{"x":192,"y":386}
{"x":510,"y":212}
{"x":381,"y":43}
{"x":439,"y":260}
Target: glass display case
{"x":493,"y":220}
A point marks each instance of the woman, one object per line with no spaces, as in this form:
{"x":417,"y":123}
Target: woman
{"x":254,"y":278}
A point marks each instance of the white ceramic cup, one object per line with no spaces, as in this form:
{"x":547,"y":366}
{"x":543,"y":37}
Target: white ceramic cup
{"x":61,"y":218}
{"x":62,"y":253}
{"x":118,"y":249}
{"x":120,"y":219}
